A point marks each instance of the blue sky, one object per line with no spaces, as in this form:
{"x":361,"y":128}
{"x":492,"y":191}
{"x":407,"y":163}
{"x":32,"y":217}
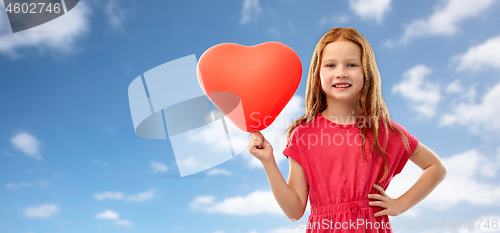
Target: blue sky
{"x":70,"y":160}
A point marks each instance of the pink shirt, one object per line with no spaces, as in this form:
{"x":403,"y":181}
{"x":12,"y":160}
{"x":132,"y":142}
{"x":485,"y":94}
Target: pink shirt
{"x":339,"y":179}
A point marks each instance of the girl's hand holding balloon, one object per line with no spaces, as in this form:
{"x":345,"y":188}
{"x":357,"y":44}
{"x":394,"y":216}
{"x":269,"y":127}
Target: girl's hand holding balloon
{"x":392,"y":207}
{"x":259,"y":147}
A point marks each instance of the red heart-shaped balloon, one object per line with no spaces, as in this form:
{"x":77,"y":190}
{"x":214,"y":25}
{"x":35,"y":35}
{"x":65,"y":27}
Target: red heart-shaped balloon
{"x":250,"y":84}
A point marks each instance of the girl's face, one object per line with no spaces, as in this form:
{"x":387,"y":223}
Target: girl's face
{"x":341,"y":72}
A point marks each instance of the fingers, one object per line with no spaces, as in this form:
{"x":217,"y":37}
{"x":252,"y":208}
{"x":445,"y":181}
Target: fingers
{"x":256,"y":134}
{"x":384,"y":201}
{"x":266,"y":142}
{"x":383,"y":212}
{"x":255,"y":143}
{"x":380,"y":190}
{"x":376,"y":196}
{"x":256,"y":140}
{"x":378,"y":203}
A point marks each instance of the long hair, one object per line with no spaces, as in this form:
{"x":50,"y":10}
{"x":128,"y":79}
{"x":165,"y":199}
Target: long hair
{"x":374,"y":112}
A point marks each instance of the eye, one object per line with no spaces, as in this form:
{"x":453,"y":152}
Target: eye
{"x":352,"y":65}
{"x":329,"y":65}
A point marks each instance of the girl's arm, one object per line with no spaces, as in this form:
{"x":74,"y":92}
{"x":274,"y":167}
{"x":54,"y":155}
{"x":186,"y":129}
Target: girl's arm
{"x":291,"y":196}
{"x":434,"y":172}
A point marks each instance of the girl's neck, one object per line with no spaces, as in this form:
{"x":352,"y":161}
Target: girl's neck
{"x":341,"y":112}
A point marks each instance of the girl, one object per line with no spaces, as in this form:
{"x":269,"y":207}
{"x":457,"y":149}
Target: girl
{"x":345,"y":150}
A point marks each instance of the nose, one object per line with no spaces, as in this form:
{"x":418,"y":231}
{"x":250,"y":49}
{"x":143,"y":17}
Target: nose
{"x":341,"y":72}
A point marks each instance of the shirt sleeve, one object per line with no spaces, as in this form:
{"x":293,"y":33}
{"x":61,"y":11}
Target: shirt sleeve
{"x":413,"y":142}
{"x":291,"y":149}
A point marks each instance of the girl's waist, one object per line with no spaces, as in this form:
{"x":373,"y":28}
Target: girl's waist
{"x":353,"y":206}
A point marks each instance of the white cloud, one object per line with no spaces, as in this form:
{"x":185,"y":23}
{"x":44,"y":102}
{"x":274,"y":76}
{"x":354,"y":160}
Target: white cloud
{"x":158,"y":167}
{"x":466,"y":181}
{"x":332,"y":19}
{"x":481,"y":57}
{"x":458,"y":92}
{"x":250,"y":12}
{"x":455,"y":87}
{"x":199,"y":201}
{"x":478,"y":117}
{"x":212,"y":140}
{"x":210,"y":137}
{"x":115,"y":13}
{"x":20,"y":185}
{"x":109,"y":195}
{"x":123,"y":223}
{"x":58,"y":35}
{"x":274,"y":31}
{"x":218,"y":172}
{"x":463,"y":182}
{"x":109,"y":129}
{"x":108,"y":214}
{"x":27,"y":143}
{"x":444,"y":20}
{"x":471,"y":94}
{"x":371,"y":9}
{"x":42,"y":211}
{"x":258,"y":202}
{"x":112,"y":215}
{"x":99,"y":162}
{"x":192,"y":163}
{"x":423,"y":96}
{"x":139,"y":197}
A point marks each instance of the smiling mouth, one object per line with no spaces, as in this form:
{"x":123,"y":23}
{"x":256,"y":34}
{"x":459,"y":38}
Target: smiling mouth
{"x":342,"y":85}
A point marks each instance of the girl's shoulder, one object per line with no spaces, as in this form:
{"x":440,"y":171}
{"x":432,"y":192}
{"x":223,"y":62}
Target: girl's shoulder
{"x":395,"y":124}
{"x":398,"y":127}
